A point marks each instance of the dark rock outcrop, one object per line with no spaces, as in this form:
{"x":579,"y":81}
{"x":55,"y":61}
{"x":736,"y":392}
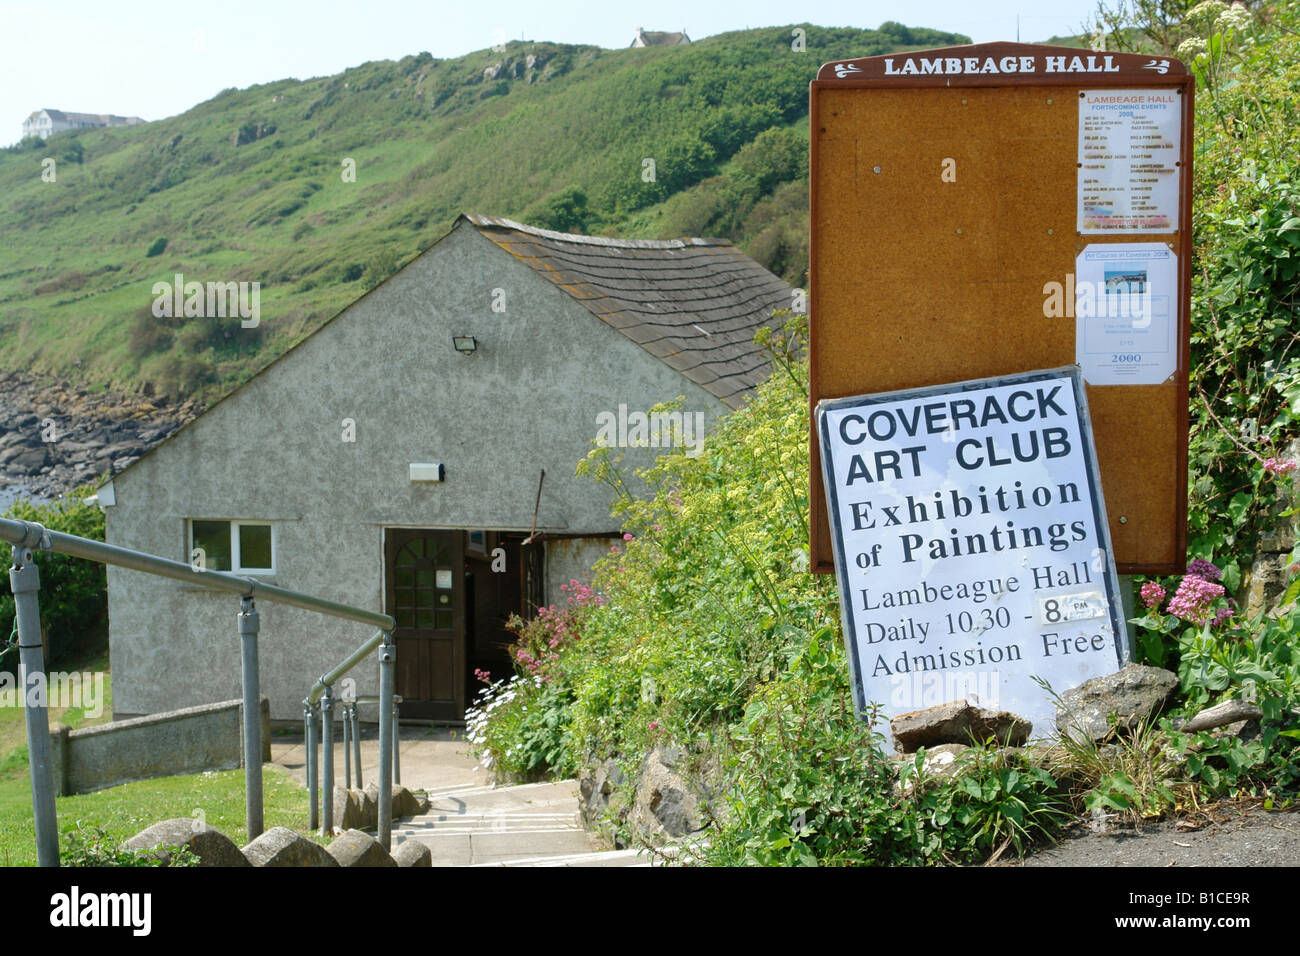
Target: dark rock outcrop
{"x":56,"y":436}
{"x":957,"y":722}
{"x":1133,"y":694}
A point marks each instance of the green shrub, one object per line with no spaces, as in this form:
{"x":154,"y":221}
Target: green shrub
{"x":83,"y":845}
{"x":73,"y":599}
{"x":1257,"y":661}
{"x":564,"y":211}
{"x":813,"y":787}
{"x":156,"y":249}
{"x":149,"y":336}
{"x":519,"y":729}
{"x":1245,"y":372}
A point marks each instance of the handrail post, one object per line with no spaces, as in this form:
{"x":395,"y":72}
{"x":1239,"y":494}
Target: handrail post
{"x":25,"y":582}
{"x":387,"y":657}
{"x":356,"y":742}
{"x":397,"y":744}
{"x":313,"y":817}
{"x":327,"y":746}
{"x":347,"y":745}
{"x":248,"y":627}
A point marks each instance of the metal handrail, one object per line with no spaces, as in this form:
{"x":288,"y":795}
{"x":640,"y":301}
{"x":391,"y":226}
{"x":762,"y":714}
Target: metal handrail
{"x":352,"y":660}
{"x":34,"y":536}
{"x":352,"y":738}
{"x":321,"y":699}
{"x":24,"y":580}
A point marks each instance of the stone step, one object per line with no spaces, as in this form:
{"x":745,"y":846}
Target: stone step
{"x":599,"y":858}
{"x":487,"y":846}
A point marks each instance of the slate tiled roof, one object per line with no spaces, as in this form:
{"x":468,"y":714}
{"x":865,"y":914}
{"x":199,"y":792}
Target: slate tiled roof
{"x":695,"y":304}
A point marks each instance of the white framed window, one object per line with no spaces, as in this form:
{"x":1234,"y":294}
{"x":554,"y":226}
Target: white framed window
{"x":241,"y":547}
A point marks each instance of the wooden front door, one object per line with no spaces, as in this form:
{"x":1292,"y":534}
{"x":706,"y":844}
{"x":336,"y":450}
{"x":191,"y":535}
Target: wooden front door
{"x":426,"y":595}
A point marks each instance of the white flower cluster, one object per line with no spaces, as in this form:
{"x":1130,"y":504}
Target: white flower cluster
{"x":1205,"y":12}
{"x":1233,"y":18}
{"x":1191,"y":48}
{"x":479,"y":713}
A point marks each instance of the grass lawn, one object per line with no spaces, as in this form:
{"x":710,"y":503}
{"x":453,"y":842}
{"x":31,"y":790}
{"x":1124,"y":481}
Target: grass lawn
{"x":125,"y":810}
{"x":13,"y":726}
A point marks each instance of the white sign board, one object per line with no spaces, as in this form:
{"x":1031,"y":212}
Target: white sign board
{"x":1126,"y":313}
{"x":1129,"y":147}
{"x":971,"y":544}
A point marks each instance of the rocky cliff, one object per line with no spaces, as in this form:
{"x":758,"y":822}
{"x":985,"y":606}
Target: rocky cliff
{"x":56,"y":435}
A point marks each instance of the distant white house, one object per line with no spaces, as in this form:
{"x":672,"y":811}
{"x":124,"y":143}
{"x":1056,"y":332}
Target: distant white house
{"x":44,"y":123}
{"x":654,"y":38}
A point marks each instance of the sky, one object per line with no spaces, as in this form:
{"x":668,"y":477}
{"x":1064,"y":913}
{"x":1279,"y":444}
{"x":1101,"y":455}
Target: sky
{"x":157,"y":58}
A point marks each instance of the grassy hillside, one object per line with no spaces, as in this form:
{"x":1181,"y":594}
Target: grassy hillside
{"x":250,"y":186}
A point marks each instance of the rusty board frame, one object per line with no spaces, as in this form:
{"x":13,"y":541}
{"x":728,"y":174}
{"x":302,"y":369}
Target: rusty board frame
{"x":1156,"y":539}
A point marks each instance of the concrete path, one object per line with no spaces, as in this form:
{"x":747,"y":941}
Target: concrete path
{"x":533,"y":824}
{"x":470,"y":822}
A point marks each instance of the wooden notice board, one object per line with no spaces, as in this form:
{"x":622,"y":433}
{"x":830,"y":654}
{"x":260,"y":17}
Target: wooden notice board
{"x":947,"y":196}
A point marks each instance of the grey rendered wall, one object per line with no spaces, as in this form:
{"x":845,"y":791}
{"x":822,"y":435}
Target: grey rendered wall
{"x":569,"y":559}
{"x":527,"y":399}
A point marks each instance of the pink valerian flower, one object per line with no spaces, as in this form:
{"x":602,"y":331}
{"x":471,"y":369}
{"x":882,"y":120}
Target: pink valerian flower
{"x":1220,"y":616}
{"x":1280,"y":466}
{"x":582,"y":594}
{"x":482,"y":675}
{"x":1193,"y":599}
{"x":1204,"y":569}
{"x":654,"y":725}
{"x":1152,"y":594}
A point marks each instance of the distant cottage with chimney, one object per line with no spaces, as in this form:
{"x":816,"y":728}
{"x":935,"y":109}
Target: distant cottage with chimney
{"x":44,"y":123}
{"x":654,"y":38}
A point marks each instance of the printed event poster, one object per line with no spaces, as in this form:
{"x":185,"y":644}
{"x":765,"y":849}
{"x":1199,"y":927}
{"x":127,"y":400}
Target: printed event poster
{"x":971,"y":545}
{"x":1129,"y":146}
{"x":1126,"y":313}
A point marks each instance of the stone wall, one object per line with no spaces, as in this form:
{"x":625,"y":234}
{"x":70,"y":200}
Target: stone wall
{"x":1267,"y":579}
{"x":191,"y":740}
{"x":674,"y":794}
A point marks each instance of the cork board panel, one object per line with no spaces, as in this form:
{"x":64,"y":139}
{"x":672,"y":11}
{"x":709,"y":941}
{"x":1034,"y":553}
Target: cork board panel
{"x":1134,"y":446}
{"x":949,"y":231}
{"x":909,"y":322}
{"x":920,"y":281}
